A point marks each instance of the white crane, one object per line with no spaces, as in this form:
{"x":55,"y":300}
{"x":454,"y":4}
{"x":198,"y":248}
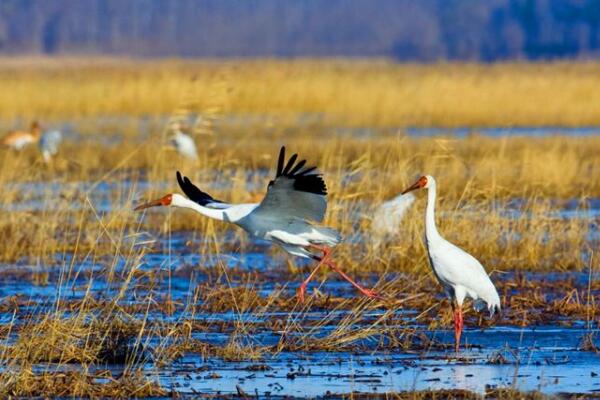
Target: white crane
{"x":182,"y":143}
{"x":388,"y":216}
{"x":48,"y":144}
{"x":295,"y":201}
{"x":459,"y":273}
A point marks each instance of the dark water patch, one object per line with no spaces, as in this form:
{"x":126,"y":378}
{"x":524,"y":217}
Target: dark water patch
{"x":499,"y":132}
{"x":548,"y":369}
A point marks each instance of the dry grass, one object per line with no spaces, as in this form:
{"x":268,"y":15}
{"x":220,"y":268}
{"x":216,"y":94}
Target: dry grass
{"x":48,"y":345}
{"x":358,"y":93}
{"x":499,"y":198}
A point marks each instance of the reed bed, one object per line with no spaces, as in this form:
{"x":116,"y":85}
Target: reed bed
{"x":351,"y":92}
{"x":504,"y":199}
{"x":70,"y":223}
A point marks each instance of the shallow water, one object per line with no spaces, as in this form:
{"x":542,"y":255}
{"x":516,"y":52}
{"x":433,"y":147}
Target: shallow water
{"x":546,"y":358}
{"x":512,"y":131}
{"x":549,"y":358}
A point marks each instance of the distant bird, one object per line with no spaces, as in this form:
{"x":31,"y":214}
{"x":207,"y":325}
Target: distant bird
{"x":388,"y":216}
{"x":49,"y":143}
{"x":182,"y":143}
{"x":295,"y":201}
{"x":459,"y":273}
{"x":18,"y":140}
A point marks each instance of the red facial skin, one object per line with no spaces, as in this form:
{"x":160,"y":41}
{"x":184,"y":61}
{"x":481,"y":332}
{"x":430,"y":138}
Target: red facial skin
{"x":421,"y":183}
{"x":163,"y":201}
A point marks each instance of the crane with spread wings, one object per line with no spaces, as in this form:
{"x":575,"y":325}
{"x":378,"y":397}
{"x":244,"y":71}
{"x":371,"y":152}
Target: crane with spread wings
{"x":296,"y":201}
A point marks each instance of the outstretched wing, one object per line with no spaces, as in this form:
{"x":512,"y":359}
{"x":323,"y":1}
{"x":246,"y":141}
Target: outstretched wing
{"x":295,"y":192}
{"x":197,"y":195}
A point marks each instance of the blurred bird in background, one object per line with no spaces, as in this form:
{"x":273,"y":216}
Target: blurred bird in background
{"x":387,"y":218}
{"x":181,"y":142}
{"x":49,"y":143}
{"x":18,"y":140}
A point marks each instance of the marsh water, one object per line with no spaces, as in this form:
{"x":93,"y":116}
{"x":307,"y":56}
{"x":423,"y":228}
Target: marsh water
{"x":549,"y":358}
{"x":545,"y":358}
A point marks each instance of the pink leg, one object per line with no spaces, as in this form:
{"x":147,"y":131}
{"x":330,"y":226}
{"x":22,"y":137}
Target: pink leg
{"x":325,"y":260}
{"x":302,"y":288}
{"x":367,"y":292}
{"x":458,"y":326}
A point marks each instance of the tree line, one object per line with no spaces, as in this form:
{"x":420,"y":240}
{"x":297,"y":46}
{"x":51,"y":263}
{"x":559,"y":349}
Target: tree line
{"x":407,"y":30}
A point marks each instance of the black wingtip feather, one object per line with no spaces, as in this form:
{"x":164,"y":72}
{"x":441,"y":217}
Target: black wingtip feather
{"x":298,"y":167}
{"x":290,"y":164}
{"x":303,"y":180}
{"x":311,"y":184}
{"x":280,"y":161}
{"x":193,"y":193}
{"x":306,"y":171}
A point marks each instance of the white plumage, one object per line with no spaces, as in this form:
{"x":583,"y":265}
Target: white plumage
{"x":459,"y":273}
{"x":388,"y":216}
{"x":19,"y":143}
{"x":288,"y":215}
{"x":182,"y":143}
{"x":49,"y":143}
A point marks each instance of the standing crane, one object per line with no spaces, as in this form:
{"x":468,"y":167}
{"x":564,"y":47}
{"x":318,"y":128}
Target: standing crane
{"x":459,"y":273}
{"x":295,"y":201}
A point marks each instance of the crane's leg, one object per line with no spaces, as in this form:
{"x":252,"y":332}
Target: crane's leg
{"x":367,"y":292}
{"x":458,"y":324}
{"x":302,"y":288}
{"x":327,"y":260}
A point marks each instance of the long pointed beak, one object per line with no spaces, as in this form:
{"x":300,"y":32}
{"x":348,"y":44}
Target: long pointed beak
{"x":415,"y":186}
{"x":153,"y":203}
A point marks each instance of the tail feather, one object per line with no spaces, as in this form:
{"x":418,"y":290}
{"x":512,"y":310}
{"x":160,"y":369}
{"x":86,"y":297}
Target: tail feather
{"x":492,"y":305}
{"x":328,"y":236}
{"x":494,"y":308}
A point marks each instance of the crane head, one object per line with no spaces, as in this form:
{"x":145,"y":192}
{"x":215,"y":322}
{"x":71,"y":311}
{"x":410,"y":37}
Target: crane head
{"x":423,"y":182}
{"x":163,"y":201}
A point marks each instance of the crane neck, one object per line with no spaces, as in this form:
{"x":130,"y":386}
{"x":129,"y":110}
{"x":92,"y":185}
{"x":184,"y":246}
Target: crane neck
{"x":430,"y":228}
{"x":233,"y":213}
{"x":183,"y":202}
